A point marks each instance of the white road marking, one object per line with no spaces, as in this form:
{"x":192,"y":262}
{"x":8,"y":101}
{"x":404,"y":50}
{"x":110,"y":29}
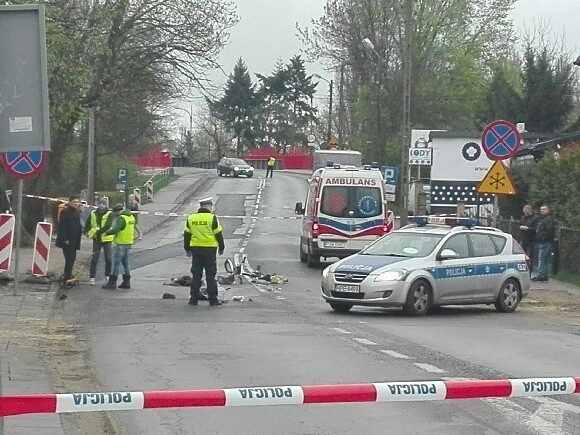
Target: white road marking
{"x":429,"y":368}
{"x":521,"y":415}
{"x":395,"y":354}
{"x":341,"y":331}
{"x":365,"y":341}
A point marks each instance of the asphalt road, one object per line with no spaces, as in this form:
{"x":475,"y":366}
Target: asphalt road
{"x":286,"y":335}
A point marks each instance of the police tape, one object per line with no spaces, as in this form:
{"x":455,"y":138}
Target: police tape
{"x":410,"y":391}
{"x":172,"y":214}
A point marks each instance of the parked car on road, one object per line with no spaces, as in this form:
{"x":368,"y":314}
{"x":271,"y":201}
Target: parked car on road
{"x":234,"y":167}
{"x":435,"y":261}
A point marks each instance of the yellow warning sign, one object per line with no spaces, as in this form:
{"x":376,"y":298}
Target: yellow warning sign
{"x":497,"y":181}
{"x":333,"y":141}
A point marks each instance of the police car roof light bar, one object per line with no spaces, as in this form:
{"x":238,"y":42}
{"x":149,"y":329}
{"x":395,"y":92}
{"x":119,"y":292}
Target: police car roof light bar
{"x":329,"y":164}
{"x":442,"y":220}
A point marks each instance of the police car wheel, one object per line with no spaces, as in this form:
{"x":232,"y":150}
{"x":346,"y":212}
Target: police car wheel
{"x":340,"y":308}
{"x":419,"y":299}
{"x":509,"y":296}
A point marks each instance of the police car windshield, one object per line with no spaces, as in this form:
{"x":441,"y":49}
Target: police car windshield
{"x":404,"y":245}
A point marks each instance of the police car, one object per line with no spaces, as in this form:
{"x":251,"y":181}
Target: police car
{"x":434,"y":261}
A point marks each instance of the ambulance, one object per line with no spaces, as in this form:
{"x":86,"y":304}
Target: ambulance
{"x":345,"y":210}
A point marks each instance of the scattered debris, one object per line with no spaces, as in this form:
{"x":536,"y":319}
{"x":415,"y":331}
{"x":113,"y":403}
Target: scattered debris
{"x":230,"y":279}
{"x":62,"y":297}
{"x":238,"y":298}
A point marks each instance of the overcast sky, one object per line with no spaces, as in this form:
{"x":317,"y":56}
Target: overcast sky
{"x":267,"y":30}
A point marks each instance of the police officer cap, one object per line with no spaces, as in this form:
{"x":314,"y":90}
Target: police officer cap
{"x":103,"y":201}
{"x":118,"y":207}
{"x":206,"y":201}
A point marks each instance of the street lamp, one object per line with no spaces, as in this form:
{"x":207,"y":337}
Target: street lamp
{"x":406,"y":130}
{"x":330,"y":84}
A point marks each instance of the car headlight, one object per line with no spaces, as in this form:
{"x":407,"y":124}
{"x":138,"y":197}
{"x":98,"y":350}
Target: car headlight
{"x":236,"y":168}
{"x":325,"y":272}
{"x":251,"y":168}
{"x":391,"y":275}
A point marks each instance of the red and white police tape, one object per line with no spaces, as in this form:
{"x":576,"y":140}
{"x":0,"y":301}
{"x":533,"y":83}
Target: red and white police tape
{"x":288,"y":395}
{"x":171,"y":214}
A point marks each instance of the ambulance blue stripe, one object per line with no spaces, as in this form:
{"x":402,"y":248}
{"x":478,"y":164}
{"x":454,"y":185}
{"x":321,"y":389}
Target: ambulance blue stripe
{"x":346,"y":227}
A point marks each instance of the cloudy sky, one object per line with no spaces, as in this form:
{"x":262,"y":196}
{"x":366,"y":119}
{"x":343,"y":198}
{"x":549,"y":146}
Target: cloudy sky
{"x":267,"y":30}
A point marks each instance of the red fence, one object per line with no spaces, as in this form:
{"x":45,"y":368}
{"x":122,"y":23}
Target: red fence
{"x":155,"y":159}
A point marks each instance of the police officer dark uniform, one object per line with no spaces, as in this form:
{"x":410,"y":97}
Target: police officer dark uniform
{"x":202,"y":237}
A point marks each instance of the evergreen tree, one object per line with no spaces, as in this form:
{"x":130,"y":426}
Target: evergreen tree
{"x":238,"y":107}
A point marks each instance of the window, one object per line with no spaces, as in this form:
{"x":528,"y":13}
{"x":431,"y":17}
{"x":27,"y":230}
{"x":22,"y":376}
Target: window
{"x":404,"y":245}
{"x":458,"y":244}
{"x":499,"y":243}
{"x":349,"y":201}
{"x":482,"y":245}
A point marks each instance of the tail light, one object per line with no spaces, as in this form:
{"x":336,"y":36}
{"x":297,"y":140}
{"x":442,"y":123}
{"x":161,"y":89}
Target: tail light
{"x":314,"y":228}
{"x":529,"y":262}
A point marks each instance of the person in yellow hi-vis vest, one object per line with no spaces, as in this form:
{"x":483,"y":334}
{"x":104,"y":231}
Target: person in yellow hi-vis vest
{"x":100,"y":218}
{"x":124,"y":231}
{"x":270,"y":166}
{"x":202,"y":237}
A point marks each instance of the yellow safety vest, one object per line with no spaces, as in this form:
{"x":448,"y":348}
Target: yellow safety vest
{"x":98,"y":225}
{"x":199,"y":225}
{"x":271,"y":161}
{"x":127,"y":234}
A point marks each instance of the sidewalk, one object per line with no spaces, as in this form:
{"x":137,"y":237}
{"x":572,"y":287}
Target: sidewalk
{"x":25,"y":310}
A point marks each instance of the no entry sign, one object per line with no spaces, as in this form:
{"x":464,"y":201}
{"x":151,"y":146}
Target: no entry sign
{"x":500,"y":140}
{"x":25,"y":164}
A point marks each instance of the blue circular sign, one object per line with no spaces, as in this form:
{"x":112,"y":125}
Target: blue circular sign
{"x":24,"y":164}
{"x":500,"y":140}
{"x":368,"y":205}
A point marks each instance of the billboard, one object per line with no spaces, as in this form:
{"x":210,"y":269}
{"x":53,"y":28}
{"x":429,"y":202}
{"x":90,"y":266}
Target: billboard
{"x":24,"y":121}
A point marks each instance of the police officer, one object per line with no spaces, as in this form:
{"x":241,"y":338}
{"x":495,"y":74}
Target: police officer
{"x":202,"y":237}
{"x":270,"y":166}
{"x":124,"y":232}
{"x":100,"y":218}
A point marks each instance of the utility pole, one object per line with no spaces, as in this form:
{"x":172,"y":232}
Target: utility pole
{"x":406,"y":134}
{"x":329,"y":133}
{"x":91,"y":159}
{"x":341,"y":108}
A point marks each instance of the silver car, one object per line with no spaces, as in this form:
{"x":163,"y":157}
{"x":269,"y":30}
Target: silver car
{"x":436,"y":261}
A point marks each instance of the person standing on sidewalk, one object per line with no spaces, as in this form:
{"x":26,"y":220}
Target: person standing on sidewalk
{"x":69,"y":233}
{"x":124,"y":231}
{"x":545,"y":233}
{"x":270,"y":166}
{"x":528,"y":224}
{"x":98,"y":219}
{"x":202,"y":237}
{"x":135,"y":207}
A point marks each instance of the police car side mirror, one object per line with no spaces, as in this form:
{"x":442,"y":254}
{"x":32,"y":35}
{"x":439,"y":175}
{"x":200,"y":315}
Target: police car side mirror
{"x":298,"y":209}
{"x":447,"y":254}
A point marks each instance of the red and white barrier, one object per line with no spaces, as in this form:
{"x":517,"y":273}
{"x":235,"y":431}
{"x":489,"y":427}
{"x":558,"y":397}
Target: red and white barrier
{"x":41,"y":252}
{"x":288,"y":395}
{"x":6,"y":240}
{"x":149,"y":185}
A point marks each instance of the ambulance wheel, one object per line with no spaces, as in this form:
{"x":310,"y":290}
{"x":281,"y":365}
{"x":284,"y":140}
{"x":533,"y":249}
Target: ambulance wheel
{"x":509,"y":296}
{"x":419,"y":299}
{"x":340,"y":308}
{"x":312,"y":260}
{"x":303,"y":256}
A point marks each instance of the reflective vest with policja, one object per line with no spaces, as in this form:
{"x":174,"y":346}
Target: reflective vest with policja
{"x":95,"y":226}
{"x":199,"y":225}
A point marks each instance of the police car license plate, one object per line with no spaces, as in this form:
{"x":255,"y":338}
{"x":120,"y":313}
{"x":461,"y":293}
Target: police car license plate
{"x":334,"y":244}
{"x":347,"y":288}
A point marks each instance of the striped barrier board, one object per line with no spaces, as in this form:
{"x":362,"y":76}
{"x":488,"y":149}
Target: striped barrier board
{"x":137,"y":195}
{"x":7,"y":222}
{"x":149,"y":185}
{"x":41,"y":252}
{"x":411,"y":391}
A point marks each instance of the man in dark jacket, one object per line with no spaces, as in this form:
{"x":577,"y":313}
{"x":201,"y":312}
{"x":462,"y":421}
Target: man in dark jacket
{"x":69,"y":234}
{"x":528,"y":224}
{"x":545,"y":233}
